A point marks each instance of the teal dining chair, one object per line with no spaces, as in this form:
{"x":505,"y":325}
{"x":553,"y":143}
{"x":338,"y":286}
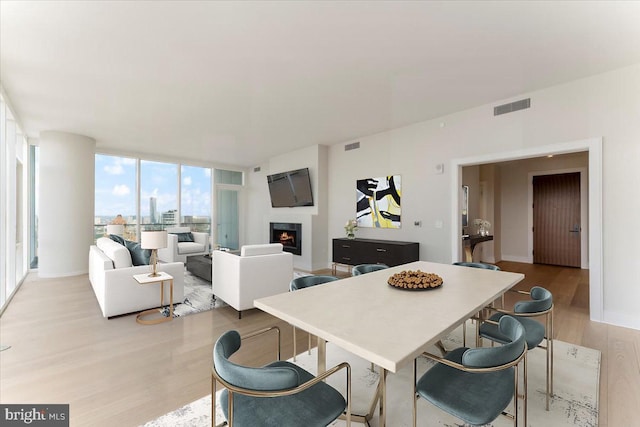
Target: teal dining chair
{"x":540,"y":304}
{"x":279,"y":394}
{"x":476,"y":385}
{"x":301,"y":283}
{"x":367,"y":268}
{"x":473,"y":265}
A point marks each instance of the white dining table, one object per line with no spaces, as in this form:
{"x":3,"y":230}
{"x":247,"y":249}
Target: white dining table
{"x":388,"y":326}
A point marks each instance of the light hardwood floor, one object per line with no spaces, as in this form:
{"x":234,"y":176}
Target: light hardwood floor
{"x":117,"y":372}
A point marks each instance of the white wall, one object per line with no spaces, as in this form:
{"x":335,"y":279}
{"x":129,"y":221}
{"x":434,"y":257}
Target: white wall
{"x":605,"y":105}
{"x":67,"y":194}
{"x":313,"y":218}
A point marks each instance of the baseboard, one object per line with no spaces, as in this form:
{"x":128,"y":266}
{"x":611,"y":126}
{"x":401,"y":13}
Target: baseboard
{"x":625,"y":321}
{"x":524,"y":260}
{"x":68,"y":274}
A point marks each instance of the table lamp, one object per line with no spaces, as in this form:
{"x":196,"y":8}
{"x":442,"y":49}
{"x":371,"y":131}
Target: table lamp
{"x":115,"y":229}
{"x":153,"y":240}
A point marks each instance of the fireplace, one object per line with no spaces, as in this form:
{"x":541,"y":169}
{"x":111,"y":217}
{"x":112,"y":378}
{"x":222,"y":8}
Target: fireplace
{"x":287,"y":233}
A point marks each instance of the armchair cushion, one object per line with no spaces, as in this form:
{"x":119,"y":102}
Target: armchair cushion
{"x":182,"y":242}
{"x":254,"y":250}
{"x":184,"y":237}
{"x":186,"y":248}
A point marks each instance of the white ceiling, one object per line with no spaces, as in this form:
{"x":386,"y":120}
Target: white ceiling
{"x":240,"y":82}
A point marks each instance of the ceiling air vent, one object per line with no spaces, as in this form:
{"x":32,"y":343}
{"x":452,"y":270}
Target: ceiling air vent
{"x":352,"y":146}
{"x":256,"y":169}
{"x":512,"y":106}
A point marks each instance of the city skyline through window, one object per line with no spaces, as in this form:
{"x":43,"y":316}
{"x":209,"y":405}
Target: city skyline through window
{"x":158,"y":193}
{"x":116,"y":193}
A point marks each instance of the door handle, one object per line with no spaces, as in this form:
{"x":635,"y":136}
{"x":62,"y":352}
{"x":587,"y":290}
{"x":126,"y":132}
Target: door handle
{"x":575,"y":229}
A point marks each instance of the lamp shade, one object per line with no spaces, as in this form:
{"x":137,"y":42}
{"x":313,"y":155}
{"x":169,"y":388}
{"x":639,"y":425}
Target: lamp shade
{"x":115,"y":229}
{"x":153,"y":239}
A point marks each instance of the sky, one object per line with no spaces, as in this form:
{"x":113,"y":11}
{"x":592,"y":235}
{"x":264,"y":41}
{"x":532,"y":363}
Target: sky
{"x":116,"y":187}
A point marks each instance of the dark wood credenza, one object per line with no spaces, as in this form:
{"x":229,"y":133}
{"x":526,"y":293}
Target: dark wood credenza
{"x":369,"y":251}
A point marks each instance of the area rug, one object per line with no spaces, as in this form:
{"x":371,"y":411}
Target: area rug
{"x":575,"y":400}
{"x":198,"y":296}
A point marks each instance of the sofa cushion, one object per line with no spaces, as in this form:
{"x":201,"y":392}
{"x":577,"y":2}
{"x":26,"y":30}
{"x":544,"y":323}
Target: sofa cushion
{"x":184,"y":237}
{"x":254,"y":250}
{"x":139,"y":256}
{"x":190,"y":248}
{"x":119,"y":254}
{"x":116,"y":238}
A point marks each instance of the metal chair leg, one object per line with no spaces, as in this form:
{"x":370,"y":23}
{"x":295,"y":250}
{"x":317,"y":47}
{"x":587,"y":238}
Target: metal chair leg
{"x":295,"y":351}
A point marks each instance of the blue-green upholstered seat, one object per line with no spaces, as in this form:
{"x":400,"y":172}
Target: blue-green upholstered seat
{"x":318,"y":405}
{"x":308,"y":281}
{"x":476,"y":397}
{"x":367,"y":268}
{"x":541,"y":301}
{"x":301,"y":283}
{"x":473,"y":265}
{"x":478,"y":265}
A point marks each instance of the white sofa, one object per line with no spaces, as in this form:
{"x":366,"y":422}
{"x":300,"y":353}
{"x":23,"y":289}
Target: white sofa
{"x":111,"y":276}
{"x":259,"y":271}
{"x":179,"y":251}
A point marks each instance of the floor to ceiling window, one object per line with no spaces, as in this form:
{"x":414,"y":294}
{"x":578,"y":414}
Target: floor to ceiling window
{"x":116,"y":195}
{"x":158,"y":195}
{"x":150,"y":195}
{"x":228,"y":186}
{"x":14,"y":163}
{"x":195,"y":198}
{"x":33,"y":205}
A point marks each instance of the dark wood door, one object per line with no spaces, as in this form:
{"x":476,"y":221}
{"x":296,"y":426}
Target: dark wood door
{"x":556,"y":219}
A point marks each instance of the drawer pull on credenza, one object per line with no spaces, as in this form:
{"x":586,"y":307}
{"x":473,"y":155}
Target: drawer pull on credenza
{"x":381,"y":250}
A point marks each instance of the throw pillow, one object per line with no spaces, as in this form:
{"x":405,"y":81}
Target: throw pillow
{"x":139,"y":256}
{"x":118,"y":239}
{"x":184,"y":237}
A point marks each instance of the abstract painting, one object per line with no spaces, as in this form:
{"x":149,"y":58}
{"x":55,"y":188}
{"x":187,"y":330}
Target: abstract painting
{"x":378,"y":202}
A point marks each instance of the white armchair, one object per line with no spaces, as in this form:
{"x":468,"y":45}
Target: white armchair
{"x":177,"y":251}
{"x":259,"y":271}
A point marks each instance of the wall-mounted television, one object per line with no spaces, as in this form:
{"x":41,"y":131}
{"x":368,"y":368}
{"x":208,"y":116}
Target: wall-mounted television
{"x":290,"y":189}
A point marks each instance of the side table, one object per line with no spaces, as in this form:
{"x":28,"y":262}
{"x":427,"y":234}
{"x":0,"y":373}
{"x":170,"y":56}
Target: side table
{"x":145,"y":279}
{"x":470,"y":242}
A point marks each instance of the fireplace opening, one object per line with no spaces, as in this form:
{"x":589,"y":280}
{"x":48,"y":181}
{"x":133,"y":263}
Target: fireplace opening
{"x":287,"y":233}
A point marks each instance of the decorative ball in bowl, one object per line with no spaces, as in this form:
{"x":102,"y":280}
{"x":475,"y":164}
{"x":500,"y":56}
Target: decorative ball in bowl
{"x":415,"y":280}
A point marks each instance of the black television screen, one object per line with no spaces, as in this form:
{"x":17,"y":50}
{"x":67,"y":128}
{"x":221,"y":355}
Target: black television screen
{"x":290,"y":189}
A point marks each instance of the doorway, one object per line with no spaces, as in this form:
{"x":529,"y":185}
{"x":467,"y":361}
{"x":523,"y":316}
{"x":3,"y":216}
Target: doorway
{"x":557,"y":225}
{"x":593,"y":147}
